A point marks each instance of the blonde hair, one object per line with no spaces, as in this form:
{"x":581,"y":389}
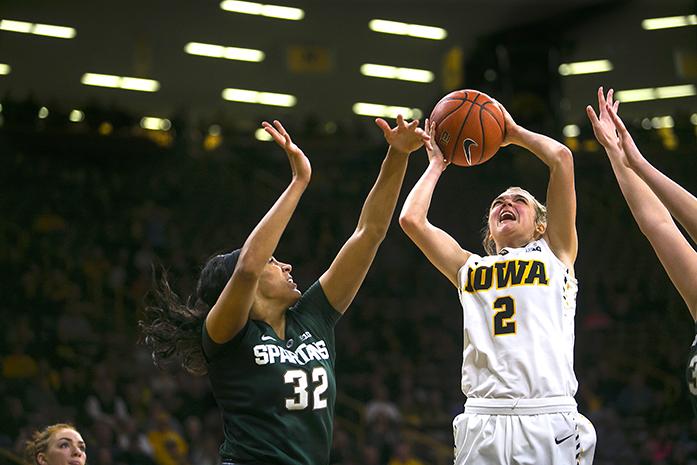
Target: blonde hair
{"x":540,"y":219}
{"x":39,"y":441}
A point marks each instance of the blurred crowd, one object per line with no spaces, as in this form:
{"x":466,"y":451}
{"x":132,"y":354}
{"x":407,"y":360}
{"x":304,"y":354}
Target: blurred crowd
{"x":88,"y":216}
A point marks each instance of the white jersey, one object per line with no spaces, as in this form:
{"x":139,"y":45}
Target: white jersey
{"x":518,"y":310}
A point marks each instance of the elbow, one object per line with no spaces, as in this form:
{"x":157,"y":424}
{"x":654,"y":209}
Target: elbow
{"x":563,"y":158}
{"x":409,"y":222}
{"x":372,"y":233}
{"x":247,"y":270}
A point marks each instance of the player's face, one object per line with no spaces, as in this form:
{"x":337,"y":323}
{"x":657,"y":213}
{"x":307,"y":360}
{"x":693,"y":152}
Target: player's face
{"x":65,"y":447}
{"x":276,"y":282}
{"x":512,"y":218}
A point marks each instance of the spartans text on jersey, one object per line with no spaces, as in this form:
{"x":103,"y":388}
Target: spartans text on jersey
{"x":265,"y":354}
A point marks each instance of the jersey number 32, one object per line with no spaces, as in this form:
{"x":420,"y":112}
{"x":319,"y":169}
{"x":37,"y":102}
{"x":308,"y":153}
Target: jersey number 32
{"x":298,"y":378}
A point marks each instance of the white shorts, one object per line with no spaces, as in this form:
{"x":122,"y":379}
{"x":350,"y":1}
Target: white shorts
{"x":546,"y":431}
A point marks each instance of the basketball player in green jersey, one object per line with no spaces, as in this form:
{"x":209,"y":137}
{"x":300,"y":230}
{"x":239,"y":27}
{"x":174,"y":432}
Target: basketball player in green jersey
{"x":269,"y":350}
{"x":654,"y":200}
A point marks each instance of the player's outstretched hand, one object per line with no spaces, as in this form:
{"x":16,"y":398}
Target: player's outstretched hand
{"x":632,"y":153}
{"x":299,"y":163}
{"x":435,"y":156}
{"x":511,"y":129}
{"x":603,"y":125}
{"x":404,"y":137}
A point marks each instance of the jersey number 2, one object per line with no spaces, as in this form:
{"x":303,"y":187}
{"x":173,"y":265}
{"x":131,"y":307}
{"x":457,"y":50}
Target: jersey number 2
{"x":503,"y":318}
{"x":298,"y":378}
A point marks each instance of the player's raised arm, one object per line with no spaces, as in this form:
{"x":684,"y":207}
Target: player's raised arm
{"x":441,"y":249}
{"x":681,"y":204}
{"x":231,"y":311}
{"x":347,"y":272}
{"x":561,"y":191}
{"x":674,"y":252}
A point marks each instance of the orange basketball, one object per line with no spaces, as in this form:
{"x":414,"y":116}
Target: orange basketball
{"x":469,"y":127}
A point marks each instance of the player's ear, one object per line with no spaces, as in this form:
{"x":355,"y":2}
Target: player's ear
{"x":540,"y":228}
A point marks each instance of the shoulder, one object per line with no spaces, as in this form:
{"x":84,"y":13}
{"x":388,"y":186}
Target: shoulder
{"x":212,"y":349}
{"x":313,"y":304}
{"x":544,"y":245}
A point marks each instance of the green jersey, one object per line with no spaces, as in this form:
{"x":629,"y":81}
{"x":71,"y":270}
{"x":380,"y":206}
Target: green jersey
{"x":277,"y":396}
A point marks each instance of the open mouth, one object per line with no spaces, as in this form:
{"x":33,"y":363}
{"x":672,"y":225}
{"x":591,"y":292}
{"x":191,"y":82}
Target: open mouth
{"x":506,"y":216}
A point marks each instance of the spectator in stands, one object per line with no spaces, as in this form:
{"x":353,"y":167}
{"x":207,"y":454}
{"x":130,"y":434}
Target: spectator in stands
{"x":59,"y":444}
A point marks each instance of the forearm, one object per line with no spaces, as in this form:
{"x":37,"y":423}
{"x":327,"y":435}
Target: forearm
{"x":418,"y":202}
{"x":680,"y":203}
{"x":381,"y":201}
{"x":263,"y":240}
{"x":648,"y":211}
{"x":552,"y":152}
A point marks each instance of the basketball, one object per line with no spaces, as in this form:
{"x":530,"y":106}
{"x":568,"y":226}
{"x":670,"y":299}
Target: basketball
{"x":469,"y":127}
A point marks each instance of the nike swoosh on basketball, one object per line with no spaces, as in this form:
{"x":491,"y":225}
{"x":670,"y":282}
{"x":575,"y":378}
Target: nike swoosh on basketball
{"x":267,"y":338}
{"x":559,"y":441}
{"x":467,"y":146}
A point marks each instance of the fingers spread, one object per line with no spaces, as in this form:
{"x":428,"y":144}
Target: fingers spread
{"x":400,"y":121}
{"x":591,"y":115}
{"x":382,"y":124}
{"x":619,"y":124}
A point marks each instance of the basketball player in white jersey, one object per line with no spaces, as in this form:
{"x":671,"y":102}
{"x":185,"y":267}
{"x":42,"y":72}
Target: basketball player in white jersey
{"x":654,"y":200}
{"x":518,"y":307}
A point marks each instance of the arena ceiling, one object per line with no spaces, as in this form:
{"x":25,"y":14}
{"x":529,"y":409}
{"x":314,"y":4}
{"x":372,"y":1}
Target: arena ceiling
{"x":147,"y":38}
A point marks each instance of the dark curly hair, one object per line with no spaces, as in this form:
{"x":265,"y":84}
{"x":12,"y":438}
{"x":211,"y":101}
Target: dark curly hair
{"x":171,"y":328}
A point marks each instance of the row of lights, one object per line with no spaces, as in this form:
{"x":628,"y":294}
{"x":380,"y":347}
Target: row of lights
{"x":638,"y":95}
{"x":253,"y":55}
{"x":368,"y":69}
{"x":657,"y":122}
{"x":213,"y":138}
{"x":151,"y":123}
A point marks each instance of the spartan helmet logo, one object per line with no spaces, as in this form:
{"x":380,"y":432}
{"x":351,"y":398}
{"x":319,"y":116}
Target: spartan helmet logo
{"x":467,"y":146}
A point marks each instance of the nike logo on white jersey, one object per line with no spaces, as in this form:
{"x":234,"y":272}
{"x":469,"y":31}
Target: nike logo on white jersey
{"x":267,"y":338}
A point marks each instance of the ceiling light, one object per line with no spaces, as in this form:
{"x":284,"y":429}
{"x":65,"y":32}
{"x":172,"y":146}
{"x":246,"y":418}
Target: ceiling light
{"x":120,"y":82}
{"x":262,"y":135}
{"x":153,"y":123}
{"x":406,"y":29}
{"x":660,"y":122}
{"x":16,"y":26}
{"x":392,"y":72}
{"x":585,"y":67}
{"x":76,"y":116}
{"x":49,"y":30}
{"x":218,"y":51}
{"x":262,"y":98}
{"x":669,"y":22}
{"x":385,"y":111}
{"x":5,"y":69}
{"x":571,"y":130}
{"x":259,"y":9}
{"x":655,"y":93}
